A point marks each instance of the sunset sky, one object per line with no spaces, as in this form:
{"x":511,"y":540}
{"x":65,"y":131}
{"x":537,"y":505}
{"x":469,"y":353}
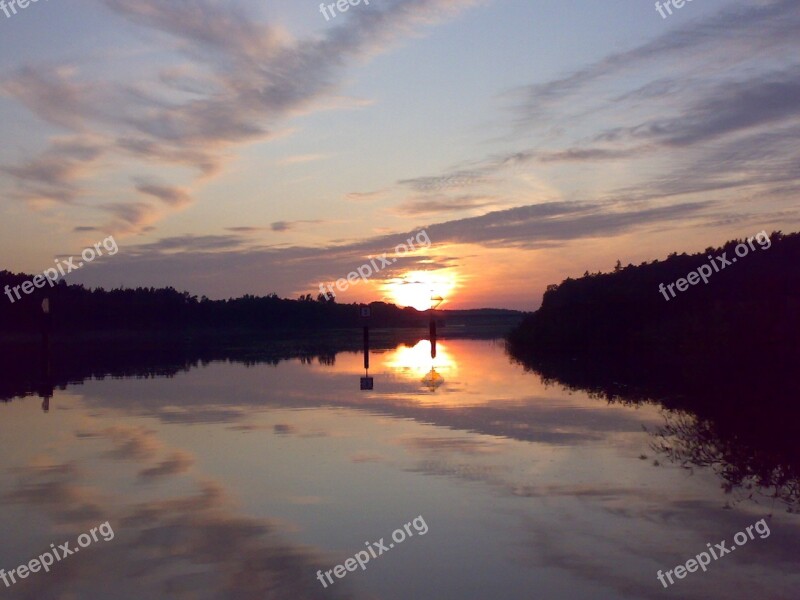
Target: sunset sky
{"x":252,"y":146}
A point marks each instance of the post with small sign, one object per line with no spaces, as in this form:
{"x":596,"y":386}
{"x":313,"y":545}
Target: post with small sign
{"x":435,"y":301}
{"x":367,"y":382}
{"x":46,"y":390}
{"x":432,"y":332}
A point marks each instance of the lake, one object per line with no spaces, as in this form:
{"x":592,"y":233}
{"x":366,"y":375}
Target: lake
{"x":237,"y":477}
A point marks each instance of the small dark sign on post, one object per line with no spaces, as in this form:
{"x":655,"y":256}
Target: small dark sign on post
{"x":46,"y":317}
{"x":367,"y":383}
{"x":366,"y":312}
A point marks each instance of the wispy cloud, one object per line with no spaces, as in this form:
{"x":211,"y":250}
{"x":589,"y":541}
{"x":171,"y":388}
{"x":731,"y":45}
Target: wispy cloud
{"x":366,"y":196}
{"x":281,"y":226}
{"x":172,"y":196}
{"x":244,"y":77}
{"x":450,"y":181}
{"x":734,"y":35}
{"x":732,"y":117}
{"x":443,"y":204}
{"x":55,"y":174}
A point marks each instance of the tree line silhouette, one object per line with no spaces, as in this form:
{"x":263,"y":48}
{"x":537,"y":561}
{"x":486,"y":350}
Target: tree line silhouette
{"x":76,"y":308}
{"x":744,"y":321}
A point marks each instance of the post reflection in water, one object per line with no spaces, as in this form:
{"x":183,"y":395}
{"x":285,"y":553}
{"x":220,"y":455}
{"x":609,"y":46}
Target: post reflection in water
{"x":433,"y":380}
{"x":45,"y":386}
{"x":422,"y":362}
{"x":367,"y":382}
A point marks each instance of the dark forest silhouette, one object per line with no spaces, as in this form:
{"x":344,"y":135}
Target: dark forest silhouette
{"x":721,"y":358}
{"x":78,"y":309}
{"x":744,"y":320}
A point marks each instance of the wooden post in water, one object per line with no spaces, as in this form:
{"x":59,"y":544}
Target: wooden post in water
{"x":367,"y":382}
{"x":435,"y":301}
{"x":366,"y":347}
{"x":432,"y":332}
{"x":46,"y":390}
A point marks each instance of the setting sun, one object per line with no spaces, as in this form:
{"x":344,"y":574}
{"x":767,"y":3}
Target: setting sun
{"x":416,"y":288}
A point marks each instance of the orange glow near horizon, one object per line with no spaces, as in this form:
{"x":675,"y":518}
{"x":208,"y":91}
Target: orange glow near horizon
{"x":416,"y":288}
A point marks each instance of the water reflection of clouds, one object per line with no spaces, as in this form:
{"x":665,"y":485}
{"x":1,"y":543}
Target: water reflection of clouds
{"x":366,"y":457}
{"x":670,"y":533}
{"x":496,"y":398}
{"x":189,"y":546}
{"x":282,"y":429}
{"x":656,"y":526}
{"x":564,"y":466}
{"x":52,"y":487}
{"x":176,"y":463}
{"x":180,"y":536}
{"x":138,"y":443}
{"x":442,"y":444}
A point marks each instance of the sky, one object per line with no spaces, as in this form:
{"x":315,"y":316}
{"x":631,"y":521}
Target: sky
{"x":247,"y":147}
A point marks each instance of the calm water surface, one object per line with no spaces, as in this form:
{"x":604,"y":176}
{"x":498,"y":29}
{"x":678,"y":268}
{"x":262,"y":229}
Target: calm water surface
{"x":242,"y":481}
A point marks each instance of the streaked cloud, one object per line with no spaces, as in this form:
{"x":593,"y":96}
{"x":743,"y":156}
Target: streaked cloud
{"x":172,"y":196}
{"x":443,"y":204}
{"x":243,"y":76}
{"x":281,"y":226}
